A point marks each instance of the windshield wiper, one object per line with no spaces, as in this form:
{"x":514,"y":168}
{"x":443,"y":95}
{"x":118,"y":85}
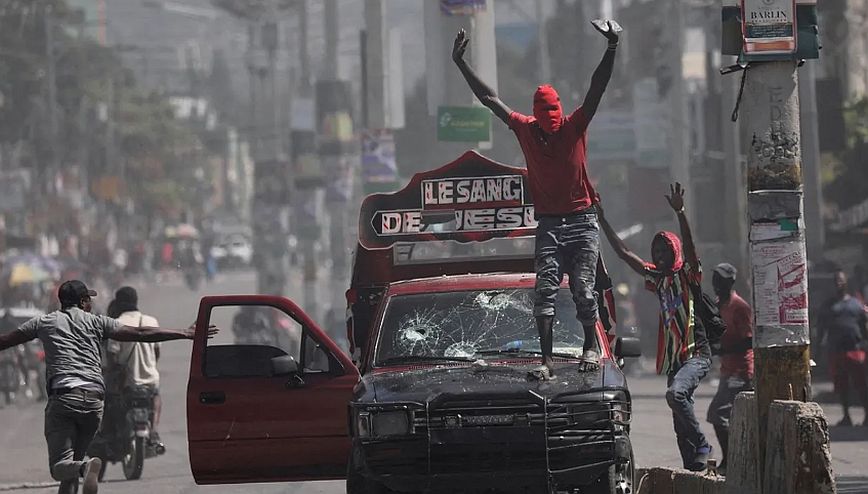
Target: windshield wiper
{"x":403,"y":359}
{"x":518,"y":351}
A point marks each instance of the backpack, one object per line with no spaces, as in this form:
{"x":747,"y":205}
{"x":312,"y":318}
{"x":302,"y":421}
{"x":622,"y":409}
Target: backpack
{"x":709,"y":314}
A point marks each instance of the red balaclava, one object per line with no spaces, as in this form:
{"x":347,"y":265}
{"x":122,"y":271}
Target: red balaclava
{"x":674,"y":243}
{"x":547,"y":109}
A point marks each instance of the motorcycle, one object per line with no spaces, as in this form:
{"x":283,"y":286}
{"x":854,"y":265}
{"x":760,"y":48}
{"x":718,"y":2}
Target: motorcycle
{"x":126,"y":432}
{"x":11,"y":378}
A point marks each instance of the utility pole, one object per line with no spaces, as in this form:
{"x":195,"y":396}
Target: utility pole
{"x":811,"y":160}
{"x":777,"y":240}
{"x":51,"y":79}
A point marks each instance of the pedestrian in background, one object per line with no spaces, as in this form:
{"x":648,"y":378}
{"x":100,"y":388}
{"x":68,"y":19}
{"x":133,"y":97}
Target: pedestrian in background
{"x":736,"y":354}
{"x":843,"y":328}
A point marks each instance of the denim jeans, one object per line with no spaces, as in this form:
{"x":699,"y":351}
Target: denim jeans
{"x":720,"y":409}
{"x":71,"y":421}
{"x":679,"y":395}
{"x":571,"y":245}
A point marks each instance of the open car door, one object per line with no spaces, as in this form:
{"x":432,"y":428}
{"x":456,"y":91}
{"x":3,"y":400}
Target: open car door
{"x":267,"y":398}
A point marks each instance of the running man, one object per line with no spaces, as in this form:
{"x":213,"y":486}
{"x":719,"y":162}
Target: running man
{"x":72,"y":338}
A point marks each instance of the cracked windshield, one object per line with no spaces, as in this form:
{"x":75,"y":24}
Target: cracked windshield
{"x":468,"y":324}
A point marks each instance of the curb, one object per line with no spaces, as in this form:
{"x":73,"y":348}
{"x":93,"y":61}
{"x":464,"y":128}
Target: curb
{"x":28,"y":485}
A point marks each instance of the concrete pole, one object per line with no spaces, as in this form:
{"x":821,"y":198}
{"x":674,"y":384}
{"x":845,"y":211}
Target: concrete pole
{"x":777,"y":240}
{"x":811,"y":160}
{"x":51,"y":78}
{"x":545,"y":62}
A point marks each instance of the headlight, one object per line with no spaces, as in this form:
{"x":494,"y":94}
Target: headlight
{"x":386,"y":423}
{"x":395,"y":423}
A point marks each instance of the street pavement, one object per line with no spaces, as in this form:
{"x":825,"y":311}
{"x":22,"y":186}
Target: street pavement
{"x":24,"y":463}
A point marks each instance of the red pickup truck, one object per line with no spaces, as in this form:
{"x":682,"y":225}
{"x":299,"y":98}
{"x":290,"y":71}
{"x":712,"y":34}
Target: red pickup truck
{"x":437,"y":399}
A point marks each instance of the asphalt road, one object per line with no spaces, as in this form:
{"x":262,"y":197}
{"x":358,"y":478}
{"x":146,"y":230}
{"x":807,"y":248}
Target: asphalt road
{"x":24,"y":463}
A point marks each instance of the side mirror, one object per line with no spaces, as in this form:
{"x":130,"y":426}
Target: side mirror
{"x":626,"y":347}
{"x":284,"y":365}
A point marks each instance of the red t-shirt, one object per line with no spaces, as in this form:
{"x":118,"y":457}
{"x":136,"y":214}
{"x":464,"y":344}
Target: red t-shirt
{"x":556,"y":167}
{"x":738,"y":317}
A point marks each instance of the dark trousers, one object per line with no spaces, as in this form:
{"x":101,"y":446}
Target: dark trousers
{"x":571,"y":245}
{"x":71,"y":421}
{"x":679,"y":395}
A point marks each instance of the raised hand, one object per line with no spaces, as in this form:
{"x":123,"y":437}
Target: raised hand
{"x":610,"y":29}
{"x":459,"y":46}
{"x":676,"y":197}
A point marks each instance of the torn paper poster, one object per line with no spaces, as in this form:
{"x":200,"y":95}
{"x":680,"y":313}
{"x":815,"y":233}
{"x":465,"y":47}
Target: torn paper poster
{"x":780,"y":283}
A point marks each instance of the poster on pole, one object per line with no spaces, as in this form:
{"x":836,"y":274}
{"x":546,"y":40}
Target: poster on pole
{"x":769,"y":27}
{"x":780,"y":283}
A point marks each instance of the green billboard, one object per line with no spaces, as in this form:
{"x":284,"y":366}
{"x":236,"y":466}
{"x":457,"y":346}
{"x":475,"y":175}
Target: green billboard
{"x":463,"y":124}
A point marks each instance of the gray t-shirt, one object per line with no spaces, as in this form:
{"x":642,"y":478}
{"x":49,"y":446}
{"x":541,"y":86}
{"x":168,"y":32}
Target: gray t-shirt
{"x":72,"y":341}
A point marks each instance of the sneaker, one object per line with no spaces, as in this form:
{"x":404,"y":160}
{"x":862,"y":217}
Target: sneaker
{"x":700,"y":461}
{"x":91,"y":476}
{"x":845,"y":422}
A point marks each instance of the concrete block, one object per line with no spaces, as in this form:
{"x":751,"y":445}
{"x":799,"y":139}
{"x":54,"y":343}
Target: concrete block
{"x":742,"y":472}
{"x":798,"y":459}
{"x":670,"y":481}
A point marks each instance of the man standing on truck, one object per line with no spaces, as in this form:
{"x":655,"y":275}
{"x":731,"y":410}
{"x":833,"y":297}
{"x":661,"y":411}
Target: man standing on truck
{"x":567,"y":237}
{"x":72,"y":338}
{"x":683,"y":351}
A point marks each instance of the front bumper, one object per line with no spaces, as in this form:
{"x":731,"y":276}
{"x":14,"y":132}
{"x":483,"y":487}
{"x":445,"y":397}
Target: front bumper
{"x":566,"y":445}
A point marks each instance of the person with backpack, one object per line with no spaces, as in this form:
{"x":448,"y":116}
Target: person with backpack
{"x":736,"y":354}
{"x":683,"y":349}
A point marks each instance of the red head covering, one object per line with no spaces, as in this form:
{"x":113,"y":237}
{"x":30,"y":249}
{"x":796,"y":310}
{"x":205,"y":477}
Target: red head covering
{"x":547,"y":108}
{"x":674,"y":243}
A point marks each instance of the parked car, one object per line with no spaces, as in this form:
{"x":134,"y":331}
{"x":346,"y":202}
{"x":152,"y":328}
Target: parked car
{"x":232,"y":251}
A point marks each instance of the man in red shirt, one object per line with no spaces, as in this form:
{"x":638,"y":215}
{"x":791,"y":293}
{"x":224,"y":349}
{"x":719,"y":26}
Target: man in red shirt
{"x":567,"y":237}
{"x":736,"y":353}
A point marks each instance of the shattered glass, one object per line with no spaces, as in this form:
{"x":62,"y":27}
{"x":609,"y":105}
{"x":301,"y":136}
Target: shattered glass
{"x":462,"y":323}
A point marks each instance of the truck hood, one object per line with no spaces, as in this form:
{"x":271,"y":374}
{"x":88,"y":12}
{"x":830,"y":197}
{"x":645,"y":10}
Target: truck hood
{"x":426,"y":384}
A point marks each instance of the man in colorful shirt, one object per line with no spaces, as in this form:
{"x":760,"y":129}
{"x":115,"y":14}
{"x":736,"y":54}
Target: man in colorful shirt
{"x":683,"y":352}
{"x":567,"y":238}
{"x":736,"y":353}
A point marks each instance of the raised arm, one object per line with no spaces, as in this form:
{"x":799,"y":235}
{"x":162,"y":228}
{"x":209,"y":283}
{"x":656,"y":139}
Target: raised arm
{"x":153,"y":334}
{"x":483,"y":91}
{"x":603,"y":73}
{"x":621,"y":250}
{"x":676,"y":201}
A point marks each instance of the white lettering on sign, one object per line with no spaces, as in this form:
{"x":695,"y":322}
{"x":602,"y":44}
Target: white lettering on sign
{"x":472,"y":190}
{"x":391,"y":223}
{"x":400,"y":222}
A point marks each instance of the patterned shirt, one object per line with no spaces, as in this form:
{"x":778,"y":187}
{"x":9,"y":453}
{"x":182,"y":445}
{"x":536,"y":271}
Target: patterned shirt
{"x":679,"y":337}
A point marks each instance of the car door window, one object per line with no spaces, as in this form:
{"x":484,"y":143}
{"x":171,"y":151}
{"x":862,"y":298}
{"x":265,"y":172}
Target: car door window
{"x":316,"y":359}
{"x":259,"y":333}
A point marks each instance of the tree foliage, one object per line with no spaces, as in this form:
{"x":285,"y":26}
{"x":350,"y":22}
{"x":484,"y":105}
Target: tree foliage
{"x":846,"y":175}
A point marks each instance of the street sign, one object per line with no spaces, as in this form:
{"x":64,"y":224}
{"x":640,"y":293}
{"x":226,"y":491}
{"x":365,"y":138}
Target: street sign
{"x":379,"y":168}
{"x":463,"y":124}
{"x":461,"y":7}
{"x":769,"y":26}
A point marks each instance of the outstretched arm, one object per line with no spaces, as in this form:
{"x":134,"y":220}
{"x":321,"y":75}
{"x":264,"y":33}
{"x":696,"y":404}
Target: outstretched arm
{"x":13,"y":338}
{"x":153,"y":334}
{"x":483,"y":91}
{"x":603,"y":73}
{"x":634,"y":261}
{"x":676,"y":201}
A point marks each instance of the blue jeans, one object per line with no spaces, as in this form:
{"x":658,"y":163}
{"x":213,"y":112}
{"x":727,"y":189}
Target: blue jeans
{"x":571,"y":245}
{"x":679,"y":395}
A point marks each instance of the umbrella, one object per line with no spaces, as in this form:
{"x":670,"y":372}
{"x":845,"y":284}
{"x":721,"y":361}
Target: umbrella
{"x":25,"y":273}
